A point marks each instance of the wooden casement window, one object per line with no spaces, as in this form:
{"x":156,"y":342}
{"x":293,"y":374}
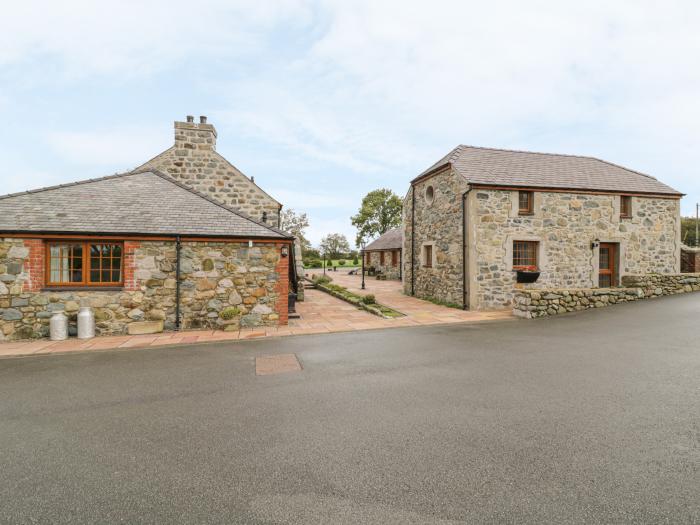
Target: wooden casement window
{"x":89,"y":263}
{"x":625,"y":206}
{"x":525,"y":202}
{"x":525,"y":255}
{"x":394,"y":258}
{"x":428,"y":256}
{"x":381,"y":258}
{"x":368,"y":258}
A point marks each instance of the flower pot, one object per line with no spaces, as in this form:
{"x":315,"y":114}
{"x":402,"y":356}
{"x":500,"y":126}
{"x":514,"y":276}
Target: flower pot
{"x":523,"y":276}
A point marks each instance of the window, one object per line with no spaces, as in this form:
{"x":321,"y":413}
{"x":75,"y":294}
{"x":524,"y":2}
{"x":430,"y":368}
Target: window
{"x":84,"y":264}
{"x":367,"y":258}
{"x":525,"y":255}
{"x":381,"y":258}
{"x":625,"y":206}
{"x":394,"y":258}
{"x":428,"y":256}
{"x":525,"y":202}
{"x":429,"y":194}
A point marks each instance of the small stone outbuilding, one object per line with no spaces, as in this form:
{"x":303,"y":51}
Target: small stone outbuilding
{"x":145,"y":251}
{"x":384,"y":254}
{"x":479,"y":216}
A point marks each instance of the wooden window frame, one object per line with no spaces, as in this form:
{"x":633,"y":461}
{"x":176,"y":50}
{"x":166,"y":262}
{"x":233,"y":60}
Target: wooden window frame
{"x":625,"y":206}
{"x":394,"y":258}
{"x":381,"y":258}
{"x":86,"y":281}
{"x":532,"y":258}
{"x":529,"y":210}
{"x":427,"y":256}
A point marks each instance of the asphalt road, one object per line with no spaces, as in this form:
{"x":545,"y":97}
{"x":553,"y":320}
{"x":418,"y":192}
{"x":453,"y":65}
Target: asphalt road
{"x":593,"y":417}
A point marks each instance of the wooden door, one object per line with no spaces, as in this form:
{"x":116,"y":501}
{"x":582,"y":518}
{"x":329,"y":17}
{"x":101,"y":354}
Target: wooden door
{"x":607,"y":276}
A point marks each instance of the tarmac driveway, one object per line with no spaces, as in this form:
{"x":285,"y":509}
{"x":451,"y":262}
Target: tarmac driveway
{"x":591,"y":417}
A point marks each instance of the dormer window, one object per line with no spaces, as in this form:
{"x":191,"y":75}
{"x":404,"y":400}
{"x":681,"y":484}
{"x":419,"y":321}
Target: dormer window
{"x":525,"y":202}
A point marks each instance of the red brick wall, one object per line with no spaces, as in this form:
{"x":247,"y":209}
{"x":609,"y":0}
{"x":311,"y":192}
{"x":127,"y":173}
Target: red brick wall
{"x":34,"y":265}
{"x":130,"y":281}
{"x":282,"y":288}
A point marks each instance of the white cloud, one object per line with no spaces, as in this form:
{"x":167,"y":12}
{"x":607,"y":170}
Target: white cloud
{"x":122,"y":148}
{"x":135,"y":37}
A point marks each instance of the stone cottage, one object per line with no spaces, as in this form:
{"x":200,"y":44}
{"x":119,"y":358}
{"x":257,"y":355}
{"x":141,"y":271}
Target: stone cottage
{"x":478,"y":217}
{"x":145,"y":251}
{"x":384,"y":254}
{"x":194,"y":161}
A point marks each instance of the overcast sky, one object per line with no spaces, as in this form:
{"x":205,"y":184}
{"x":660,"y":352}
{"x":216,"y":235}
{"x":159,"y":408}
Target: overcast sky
{"x":323,"y":101}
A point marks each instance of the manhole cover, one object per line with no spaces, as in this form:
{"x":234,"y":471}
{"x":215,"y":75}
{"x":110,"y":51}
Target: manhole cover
{"x":276,"y":364}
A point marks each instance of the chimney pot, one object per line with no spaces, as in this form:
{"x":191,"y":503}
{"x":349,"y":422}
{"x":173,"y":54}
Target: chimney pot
{"x":190,"y":118}
{"x":202,"y":119}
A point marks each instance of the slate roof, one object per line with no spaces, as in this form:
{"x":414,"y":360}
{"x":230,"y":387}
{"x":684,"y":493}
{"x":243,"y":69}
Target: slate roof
{"x":499,"y":167}
{"x":139,"y":202}
{"x":391,"y":240}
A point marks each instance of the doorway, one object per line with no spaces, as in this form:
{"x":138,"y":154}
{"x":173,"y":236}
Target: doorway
{"x":607,"y":265}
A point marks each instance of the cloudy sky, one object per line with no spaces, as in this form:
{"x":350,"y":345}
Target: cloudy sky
{"x":323,"y":101}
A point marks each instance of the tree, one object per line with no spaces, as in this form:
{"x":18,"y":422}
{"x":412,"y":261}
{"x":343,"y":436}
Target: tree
{"x":335,"y":245}
{"x":379,"y":213}
{"x":295,"y":223}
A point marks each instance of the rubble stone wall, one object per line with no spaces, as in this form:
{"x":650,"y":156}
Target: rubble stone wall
{"x":532,"y":303}
{"x":224,"y":285}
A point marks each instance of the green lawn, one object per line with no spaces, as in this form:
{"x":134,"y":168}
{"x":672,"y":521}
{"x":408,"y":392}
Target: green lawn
{"x":334,"y":263}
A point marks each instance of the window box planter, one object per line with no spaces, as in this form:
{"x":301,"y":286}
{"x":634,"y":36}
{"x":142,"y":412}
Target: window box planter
{"x":527,"y":276}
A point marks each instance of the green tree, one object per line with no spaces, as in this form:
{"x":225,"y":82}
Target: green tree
{"x":379,"y":213}
{"x":688,"y":231}
{"x":296,"y":224}
{"x":335,"y":245}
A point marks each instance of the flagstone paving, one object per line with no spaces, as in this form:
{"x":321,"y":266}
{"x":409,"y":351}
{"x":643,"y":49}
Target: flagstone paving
{"x":319,"y":313}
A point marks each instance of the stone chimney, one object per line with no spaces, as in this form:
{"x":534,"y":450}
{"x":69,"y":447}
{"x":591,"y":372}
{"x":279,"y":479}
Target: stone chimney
{"x":190,"y":135}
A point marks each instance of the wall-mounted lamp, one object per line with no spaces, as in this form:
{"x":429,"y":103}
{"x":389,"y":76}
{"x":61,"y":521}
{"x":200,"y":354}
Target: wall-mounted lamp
{"x":285,"y":251}
{"x":595,"y":244}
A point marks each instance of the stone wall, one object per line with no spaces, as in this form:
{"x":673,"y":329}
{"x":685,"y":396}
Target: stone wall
{"x":214,"y":276}
{"x":193,"y":160}
{"x":374,"y":258}
{"x":690,"y":259}
{"x":565,"y":225}
{"x":438,"y":223}
{"x":532,"y":303}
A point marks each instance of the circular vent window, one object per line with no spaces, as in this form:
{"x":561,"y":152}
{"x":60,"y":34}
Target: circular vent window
{"x":429,"y":194}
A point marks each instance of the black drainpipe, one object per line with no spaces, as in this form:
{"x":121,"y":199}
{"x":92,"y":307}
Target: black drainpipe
{"x":465,"y":305}
{"x":413,"y":239}
{"x":178,"y":247}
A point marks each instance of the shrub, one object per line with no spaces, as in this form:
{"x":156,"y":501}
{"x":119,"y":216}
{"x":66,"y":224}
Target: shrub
{"x":341,"y":262}
{"x":229,"y":313}
{"x":314,"y":263}
{"x":369,"y":299}
{"x":355,"y":261}
{"x":321,"y":279}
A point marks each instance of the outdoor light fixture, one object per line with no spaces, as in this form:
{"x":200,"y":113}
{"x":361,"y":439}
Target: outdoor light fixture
{"x":285,"y":250}
{"x":595,"y":244}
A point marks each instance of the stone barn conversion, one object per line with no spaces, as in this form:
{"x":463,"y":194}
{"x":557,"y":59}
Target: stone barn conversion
{"x":479,"y":219}
{"x":144,"y":251}
{"x":384,"y":254}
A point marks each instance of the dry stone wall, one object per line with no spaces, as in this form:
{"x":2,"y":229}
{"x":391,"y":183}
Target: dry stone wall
{"x":223,"y":286}
{"x":531,"y":303}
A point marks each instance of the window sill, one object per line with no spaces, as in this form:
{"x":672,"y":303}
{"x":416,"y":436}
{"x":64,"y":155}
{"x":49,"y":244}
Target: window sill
{"x":82,"y":289}
{"x":524,"y":214}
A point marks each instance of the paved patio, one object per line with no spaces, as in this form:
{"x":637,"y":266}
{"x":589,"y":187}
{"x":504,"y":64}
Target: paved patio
{"x":319,"y":313}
